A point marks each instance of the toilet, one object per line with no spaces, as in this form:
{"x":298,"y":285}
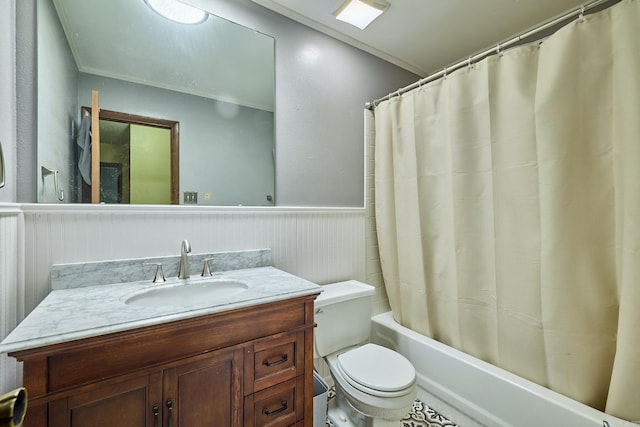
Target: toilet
{"x":375,"y":386}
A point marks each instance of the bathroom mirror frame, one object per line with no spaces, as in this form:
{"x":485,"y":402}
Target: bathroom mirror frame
{"x":269,"y":200}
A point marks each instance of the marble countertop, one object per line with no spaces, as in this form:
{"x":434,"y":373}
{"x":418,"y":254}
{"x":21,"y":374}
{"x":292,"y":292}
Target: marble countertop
{"x":72,"y":314}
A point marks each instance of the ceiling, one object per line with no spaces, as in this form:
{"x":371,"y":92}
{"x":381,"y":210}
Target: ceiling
{"x":424,"y":36}
{"x":133,"y":43}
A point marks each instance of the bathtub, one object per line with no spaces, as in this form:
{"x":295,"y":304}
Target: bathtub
{"x":490,"y":395}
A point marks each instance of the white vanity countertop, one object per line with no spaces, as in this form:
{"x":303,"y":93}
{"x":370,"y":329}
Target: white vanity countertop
{"x":71,"y":314}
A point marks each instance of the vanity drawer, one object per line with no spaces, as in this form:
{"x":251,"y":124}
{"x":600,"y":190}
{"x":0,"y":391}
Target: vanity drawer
{"x":273,"y":360}
{"x":280,"y":405}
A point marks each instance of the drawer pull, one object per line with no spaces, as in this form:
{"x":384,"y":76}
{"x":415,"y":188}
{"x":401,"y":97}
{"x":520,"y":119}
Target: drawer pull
{"x":283,"y":407}
{"x":280,"y":361}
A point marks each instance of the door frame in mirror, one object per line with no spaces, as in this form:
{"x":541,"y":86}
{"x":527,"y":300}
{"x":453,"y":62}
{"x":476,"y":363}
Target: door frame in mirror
{"x":173,"y":126}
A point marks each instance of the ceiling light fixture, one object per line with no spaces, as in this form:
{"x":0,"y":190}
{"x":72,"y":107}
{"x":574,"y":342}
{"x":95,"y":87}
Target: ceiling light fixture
{"x":360,"y":13}
{"x":178,"y":11}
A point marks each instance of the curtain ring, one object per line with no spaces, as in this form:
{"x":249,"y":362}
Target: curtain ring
{"x":444,"y":73}
{"x":469,"y":63}
{"x":498,"y":49}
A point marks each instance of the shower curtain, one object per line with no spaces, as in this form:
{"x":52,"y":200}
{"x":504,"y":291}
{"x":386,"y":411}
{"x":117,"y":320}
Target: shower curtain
{"x":508,"y":209}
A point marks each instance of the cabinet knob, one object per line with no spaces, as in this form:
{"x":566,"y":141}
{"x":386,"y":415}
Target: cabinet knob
{"x":156,"y":411}
{"x":170,"y":408}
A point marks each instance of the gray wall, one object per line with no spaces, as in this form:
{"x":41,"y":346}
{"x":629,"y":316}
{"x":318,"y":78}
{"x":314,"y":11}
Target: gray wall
{"x":226,"y":155}
{"x":26,"y":102}
{"x":8,"y":98}
{"x":321,"y":87}
{"x":57,"y":106}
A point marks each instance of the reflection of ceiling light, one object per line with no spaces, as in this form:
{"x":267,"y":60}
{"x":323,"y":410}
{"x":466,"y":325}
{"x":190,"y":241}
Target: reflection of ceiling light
{"x":178,"y":11}
{"x":361,"y":13}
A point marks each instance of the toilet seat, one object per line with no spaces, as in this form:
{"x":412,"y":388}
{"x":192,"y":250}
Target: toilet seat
{"x":378,"y":371}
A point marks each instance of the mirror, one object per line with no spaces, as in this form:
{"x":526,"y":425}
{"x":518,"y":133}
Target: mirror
{"x":214,"y":79}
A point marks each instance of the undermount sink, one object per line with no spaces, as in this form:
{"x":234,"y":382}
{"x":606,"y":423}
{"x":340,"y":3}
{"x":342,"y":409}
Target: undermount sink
{"x":188,"y":294}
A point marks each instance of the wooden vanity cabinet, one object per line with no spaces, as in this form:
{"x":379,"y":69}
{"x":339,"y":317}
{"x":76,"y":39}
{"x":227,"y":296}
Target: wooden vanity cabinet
{"x":187,"y":393}
{"x":246,"y":367}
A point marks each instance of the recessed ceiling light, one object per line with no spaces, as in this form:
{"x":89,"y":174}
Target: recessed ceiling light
{"x":178,"y":11}
{"x":360,"y":13}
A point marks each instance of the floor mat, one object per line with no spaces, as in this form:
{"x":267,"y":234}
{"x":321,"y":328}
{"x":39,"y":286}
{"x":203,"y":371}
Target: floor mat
{"x":420,"y":416}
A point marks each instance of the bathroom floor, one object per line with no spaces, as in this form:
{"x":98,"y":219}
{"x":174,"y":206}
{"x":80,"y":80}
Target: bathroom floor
{"x":421,"y":415}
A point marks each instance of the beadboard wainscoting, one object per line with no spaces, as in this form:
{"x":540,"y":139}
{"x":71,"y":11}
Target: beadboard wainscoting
{"x":320,"y":245}
{"x":11,"y":292}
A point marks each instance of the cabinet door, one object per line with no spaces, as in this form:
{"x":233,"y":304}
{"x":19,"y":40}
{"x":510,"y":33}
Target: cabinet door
{"x":128,"y":403}
{"x":206,"y":392}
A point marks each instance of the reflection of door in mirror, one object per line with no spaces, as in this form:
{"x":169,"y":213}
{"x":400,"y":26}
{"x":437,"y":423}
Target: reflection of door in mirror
{"x":138,"y":160}
{"x":111,"y":190}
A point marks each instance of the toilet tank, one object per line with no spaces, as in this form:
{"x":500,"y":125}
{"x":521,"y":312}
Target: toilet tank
{"x":343,"y":316}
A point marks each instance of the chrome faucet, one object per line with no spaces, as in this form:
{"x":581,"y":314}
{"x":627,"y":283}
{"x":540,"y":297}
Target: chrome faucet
{"x":183,"y":271}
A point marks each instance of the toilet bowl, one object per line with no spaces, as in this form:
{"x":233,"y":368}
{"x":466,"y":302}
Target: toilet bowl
{"x":374,"y":385}
{"x":376,"y":381}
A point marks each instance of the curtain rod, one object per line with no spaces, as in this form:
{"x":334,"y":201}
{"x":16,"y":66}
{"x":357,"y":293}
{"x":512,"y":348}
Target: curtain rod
{"x":579,"y":12}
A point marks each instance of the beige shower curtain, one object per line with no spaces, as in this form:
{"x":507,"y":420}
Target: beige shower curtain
{"x":508,"y":209}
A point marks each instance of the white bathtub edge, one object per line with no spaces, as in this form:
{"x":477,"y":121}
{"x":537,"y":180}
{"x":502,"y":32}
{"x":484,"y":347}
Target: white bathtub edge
{"x":522,"y":402}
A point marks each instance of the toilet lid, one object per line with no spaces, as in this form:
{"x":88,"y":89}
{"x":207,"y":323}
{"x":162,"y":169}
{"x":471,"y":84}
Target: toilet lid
{"x":378,"y":368}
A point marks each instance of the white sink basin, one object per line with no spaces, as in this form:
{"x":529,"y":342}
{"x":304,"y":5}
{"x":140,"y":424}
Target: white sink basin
{"x":192,"y":293}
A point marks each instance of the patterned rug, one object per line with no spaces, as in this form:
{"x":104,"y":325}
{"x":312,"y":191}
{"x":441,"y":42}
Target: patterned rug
{"x":423,"y":416}
{"x":420,"y":416}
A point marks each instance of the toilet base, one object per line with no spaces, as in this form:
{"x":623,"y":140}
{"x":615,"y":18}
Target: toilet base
{"x":339,"y":419}
{"x":342,"y":414}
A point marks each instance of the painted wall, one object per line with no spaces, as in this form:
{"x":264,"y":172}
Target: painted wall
{"x":25,"y":102}
{"x":150,"y":155}
{"x":8,"y":98}
{"x":226,"y":150}
{"x":321,"y":87}
{"x":58,"y":108}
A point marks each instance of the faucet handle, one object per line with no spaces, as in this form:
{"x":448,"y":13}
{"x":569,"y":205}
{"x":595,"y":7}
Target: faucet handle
{"x":206,"y":269}
{"x":159,"y":276}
